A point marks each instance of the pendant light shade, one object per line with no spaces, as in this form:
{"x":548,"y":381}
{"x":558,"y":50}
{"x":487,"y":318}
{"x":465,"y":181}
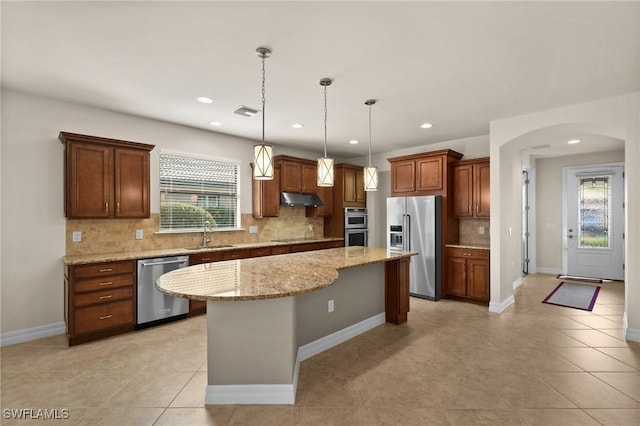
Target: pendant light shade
{"x":325,"y":165}
{"x":263,"y":153}
{"x":370,"y":172}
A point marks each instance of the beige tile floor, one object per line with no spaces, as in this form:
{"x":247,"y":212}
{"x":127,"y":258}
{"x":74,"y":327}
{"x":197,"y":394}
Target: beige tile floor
{"x":453,"y":363}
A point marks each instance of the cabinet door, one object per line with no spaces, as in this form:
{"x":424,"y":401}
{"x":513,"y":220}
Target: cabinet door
{"x":457,"y":276}
{"x":349,"y":184}
{"x":403,"y":176}
{"x":89,"y":181}
{"x":266,"y":196}
{"x":463,"y":191}
{"x":482,"y":190}
{"x":291,"y":176}
{"x":361,"y":195}
{"x":309,"y":178}
{"x":131,"y":190}
{"x":430,"y":174}
{"x":326,"y":195}
{"x":478,"y":279}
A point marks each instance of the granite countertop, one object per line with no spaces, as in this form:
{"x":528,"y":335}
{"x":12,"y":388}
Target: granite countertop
{"x":269,"y":277}
{"x":469,"y":246}
{"x":147,"y":254}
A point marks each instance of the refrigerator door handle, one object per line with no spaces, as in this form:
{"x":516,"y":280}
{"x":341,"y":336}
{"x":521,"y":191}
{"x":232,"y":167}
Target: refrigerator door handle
{"x":407,"y":232}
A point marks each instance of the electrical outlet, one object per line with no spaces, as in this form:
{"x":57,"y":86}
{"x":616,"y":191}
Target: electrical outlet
{"x":77,"y":236}
{"x":139,"y":234}
{"x":330,"y":306}
{"x":253,"y":229}
{"x":481,"y":230}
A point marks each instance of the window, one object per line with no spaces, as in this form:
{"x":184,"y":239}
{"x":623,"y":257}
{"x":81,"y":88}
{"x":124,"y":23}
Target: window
{"x":194,"y":190}
{"x":594,"y":211}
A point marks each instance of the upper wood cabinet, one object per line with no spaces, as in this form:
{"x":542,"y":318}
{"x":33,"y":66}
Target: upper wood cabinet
{"x":349,"y":181}
{"x":471,"y":188}
{"x":265,"y":195}
{"x":422,"y":174}
{"x":297,"y":175}
{"x":105,"y":178}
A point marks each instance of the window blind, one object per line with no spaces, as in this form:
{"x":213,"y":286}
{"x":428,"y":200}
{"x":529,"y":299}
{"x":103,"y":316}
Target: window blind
{"x":194,"y":190}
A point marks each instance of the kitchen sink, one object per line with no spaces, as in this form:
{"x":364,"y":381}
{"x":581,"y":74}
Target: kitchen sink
{"x":209,"y":247}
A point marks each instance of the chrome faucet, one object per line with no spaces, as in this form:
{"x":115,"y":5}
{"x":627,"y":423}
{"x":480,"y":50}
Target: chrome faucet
{"x":206,"y":233}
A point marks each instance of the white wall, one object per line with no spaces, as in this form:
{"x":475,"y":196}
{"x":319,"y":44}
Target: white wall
{"x":617,"y":117}
{"x":33,"y":223}
{"x":549,"y":202}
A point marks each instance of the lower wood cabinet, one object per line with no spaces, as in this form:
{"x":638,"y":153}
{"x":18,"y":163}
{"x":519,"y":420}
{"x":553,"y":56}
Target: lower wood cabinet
{"x":468,"y":273}
{"x":396,"y":289}
{"x":99,"y":300}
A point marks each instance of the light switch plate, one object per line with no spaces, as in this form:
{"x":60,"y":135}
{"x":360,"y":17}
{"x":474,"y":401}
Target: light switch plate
{"x":76,"y":236}
{"x":139,"y":234}
{"x":253,"y":229}
{"x":481,"y":230}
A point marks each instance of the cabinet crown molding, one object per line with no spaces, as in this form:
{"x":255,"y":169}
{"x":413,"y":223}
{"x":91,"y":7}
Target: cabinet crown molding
{"x":449,"y":152}
{"x":75,"y":137}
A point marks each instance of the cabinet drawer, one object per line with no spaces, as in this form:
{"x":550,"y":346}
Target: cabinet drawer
{"x":235,"y":254}
{"x":469,"y":253}
{"x":280,"y":249}
{"x":104,"y":269}
{"x":207,"y":257}
{"x":105,"y":296}
{"x":99,"y":317}
{"x":104,"y":283}
{"x":261,"y":251}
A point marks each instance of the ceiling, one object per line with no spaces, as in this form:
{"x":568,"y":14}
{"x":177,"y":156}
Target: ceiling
{"x":456,"y":65}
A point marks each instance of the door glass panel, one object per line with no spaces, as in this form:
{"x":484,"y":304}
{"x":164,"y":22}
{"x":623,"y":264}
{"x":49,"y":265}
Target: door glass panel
{"x":594,"y":211}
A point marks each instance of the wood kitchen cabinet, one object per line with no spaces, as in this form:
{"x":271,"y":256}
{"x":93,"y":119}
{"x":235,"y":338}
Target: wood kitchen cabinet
{"x":427,"y":173}
{"x":105,"y":178}
{"x":265,"y":195}
{"x":471,"y":188}
{"x":468,"y":273}
{"x":99,"y":300}
{"x":297,"y":175}
{"x":396,"y":290}
{"x":348,"y":191}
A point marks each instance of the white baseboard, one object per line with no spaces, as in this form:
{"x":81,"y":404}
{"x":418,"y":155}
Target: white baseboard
{"x":498,"y":308}
{"x":340,"y":336}
{"x":33,"y":333}
{"x":632,"y":334}
{"x":286,"y":393}
{"x":550,"y":271}
{"x":517,"y":283}
{"x":250,"y":394}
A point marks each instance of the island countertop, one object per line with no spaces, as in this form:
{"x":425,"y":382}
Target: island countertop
{"x":269,"y":277}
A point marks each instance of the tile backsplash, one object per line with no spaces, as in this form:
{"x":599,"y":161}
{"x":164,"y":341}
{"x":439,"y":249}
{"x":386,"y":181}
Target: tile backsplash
{"x":118,"y":235}
{"x":469,"y":230}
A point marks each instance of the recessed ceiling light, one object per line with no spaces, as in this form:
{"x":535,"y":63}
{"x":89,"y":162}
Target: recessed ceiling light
{"x":354,"y":142}
{"x":426,"y":125}
{"x":216,"y":123}
{"x":573,"y":141}
{"x":204,"y":99}
{"x":297,"y":126}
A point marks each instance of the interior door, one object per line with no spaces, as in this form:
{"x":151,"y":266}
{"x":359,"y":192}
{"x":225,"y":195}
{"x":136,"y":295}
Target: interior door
{"x":595,"y":222}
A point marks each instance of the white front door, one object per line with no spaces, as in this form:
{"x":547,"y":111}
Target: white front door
{"x":594,"y":222}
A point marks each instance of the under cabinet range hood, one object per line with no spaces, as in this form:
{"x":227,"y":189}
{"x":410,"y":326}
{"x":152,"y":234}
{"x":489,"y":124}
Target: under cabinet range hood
{"x":302,"y":200}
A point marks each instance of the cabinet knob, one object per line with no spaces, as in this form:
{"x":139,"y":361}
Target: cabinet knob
{"x":106,"y":207}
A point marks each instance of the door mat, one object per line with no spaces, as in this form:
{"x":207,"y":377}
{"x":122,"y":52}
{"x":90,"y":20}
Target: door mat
{"x":583,"y":279}
{"x":576,"y":296}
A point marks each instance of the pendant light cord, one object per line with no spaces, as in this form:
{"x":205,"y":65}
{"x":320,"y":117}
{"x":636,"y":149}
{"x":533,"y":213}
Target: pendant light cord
{"x":325,"y":121}
{"x":263,"y":97}
{"x":369,"y":135}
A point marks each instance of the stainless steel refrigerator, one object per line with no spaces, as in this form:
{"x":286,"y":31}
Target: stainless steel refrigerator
{"x":414,"y":224}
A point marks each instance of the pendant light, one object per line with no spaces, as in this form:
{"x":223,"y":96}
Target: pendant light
{"x":370,"y":173}
{"x":325,"y":165}
{"x":263,"y":153}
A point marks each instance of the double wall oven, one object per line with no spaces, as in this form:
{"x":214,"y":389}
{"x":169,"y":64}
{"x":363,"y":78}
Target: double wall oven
{"x":355,"y":227}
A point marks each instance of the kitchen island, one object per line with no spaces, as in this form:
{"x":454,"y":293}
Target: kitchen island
{"x":266,"y":315}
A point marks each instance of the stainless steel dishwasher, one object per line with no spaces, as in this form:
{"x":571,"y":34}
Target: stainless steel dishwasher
{"x":152,"y":306}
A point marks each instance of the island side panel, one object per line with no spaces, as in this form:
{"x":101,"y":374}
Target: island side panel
{"x":251,"y":342}
{"x":358,"y":294}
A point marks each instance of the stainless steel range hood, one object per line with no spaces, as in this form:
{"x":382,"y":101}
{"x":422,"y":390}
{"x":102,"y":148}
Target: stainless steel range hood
{"x":295,"y":199}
